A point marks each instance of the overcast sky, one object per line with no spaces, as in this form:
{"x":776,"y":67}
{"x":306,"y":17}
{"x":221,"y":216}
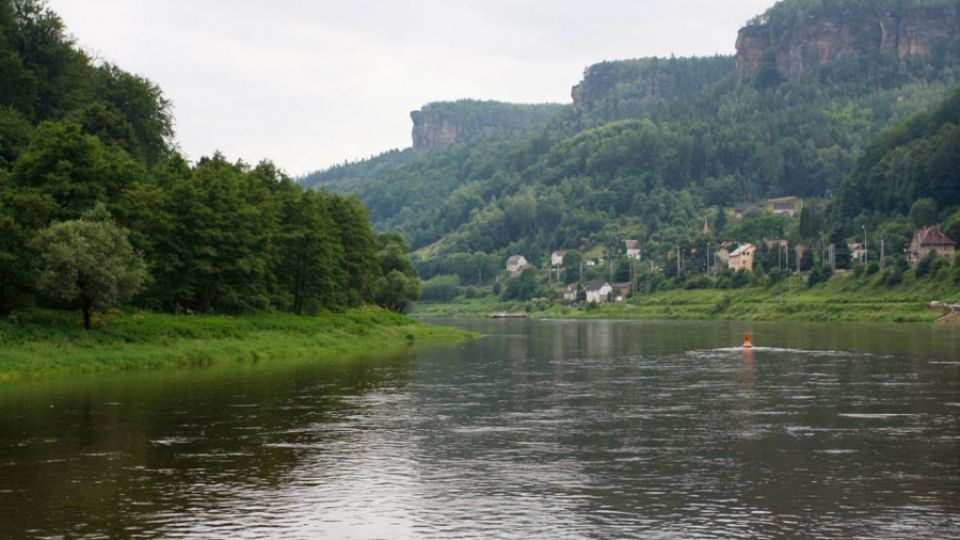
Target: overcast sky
{"x":309,"y":84}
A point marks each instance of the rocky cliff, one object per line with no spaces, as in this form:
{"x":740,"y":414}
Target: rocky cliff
{"x":822,"y":38}
{"x":433,"y":131}
{"x":439,"y":126}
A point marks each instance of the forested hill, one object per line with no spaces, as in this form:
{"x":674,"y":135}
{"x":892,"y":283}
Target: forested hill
{"x":98,"y":209}
{"x":440,"y":125}
{"x":652,"y":148}
{"x":626,"y":88}
{"x":917,"y":159}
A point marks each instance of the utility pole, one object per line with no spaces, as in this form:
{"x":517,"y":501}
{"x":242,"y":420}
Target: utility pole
{"x":866,"y":255}
{"x":708,"y":258}
{"x":882,"y":254}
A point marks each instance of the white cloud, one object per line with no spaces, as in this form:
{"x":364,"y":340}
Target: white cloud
{"x":312,"y":83}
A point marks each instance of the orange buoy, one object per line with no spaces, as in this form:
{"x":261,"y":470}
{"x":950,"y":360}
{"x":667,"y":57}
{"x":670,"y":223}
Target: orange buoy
{"x":746,"y":341}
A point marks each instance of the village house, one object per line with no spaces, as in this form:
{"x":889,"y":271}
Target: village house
{"x":790,"y":206}
{"x":927,"y":240}
{"x":517,"y":264}
{"x":633,"y":249}
{"x":598,"y":291}
{"x":857,"y":251}
{"x":739,"y":210}
{"x":742,"y":258}
{"x":570,"y":293}
{"x":622,"y":290}
{"x":556,"y":258}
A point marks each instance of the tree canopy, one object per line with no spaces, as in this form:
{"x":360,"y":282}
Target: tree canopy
{"x":89,"y":263}
{"x":90,"y":181}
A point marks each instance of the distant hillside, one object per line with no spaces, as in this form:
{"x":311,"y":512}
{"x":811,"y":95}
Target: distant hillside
{"x":652,"y":148}
{"x":917,"y":159}
{"x":631,"y":87}
{"x":438,"y":126}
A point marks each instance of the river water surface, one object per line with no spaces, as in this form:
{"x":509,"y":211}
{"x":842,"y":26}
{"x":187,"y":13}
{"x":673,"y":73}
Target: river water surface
{"x":539,"y":430}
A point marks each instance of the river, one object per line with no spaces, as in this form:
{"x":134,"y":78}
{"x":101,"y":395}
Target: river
{"x":601,"y":429}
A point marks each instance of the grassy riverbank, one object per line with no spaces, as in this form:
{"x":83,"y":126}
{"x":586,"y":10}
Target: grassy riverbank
{"x":843,"y":298}
{"x":48,"y":342}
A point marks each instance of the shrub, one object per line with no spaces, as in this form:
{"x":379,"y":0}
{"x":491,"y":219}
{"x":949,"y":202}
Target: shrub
{"x":892,"y":275}
{"x":440,"y":289}
{"x":699,"y":282}
{"x":819,"y":274}
{"x":777,"y":275}
{"x":740,"y":279}
{"x":722,"y":305}
{"x":925,"y":265}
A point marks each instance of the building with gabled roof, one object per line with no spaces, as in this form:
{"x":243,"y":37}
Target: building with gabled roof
{"x":927,"y":240}
{"x":598,"y":291}
{"x":790,"y":206}
{"x":517,"y":264}
{"x":742,"y":258}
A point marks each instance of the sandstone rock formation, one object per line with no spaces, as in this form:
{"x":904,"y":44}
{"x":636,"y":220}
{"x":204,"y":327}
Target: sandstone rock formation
{"x":432,"y":131}
{"x":440,"y":125}
{"x":821,"y":40}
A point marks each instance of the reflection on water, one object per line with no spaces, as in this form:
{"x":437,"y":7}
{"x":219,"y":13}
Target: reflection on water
{"x":542,"y":429}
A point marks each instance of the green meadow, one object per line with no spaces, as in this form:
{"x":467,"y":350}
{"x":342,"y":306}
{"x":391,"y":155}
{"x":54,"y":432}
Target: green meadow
{"x":41,"y":343}
{"x":842,"y":298}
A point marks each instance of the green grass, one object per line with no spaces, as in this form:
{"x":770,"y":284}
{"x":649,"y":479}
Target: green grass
{"x":842,"y":298}
{"x":467,"y":308}
{"x":47,"y":342}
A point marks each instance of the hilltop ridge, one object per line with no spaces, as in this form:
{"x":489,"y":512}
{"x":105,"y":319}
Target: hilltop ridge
{"x":438,"y":126}
{"x":795,"y":38}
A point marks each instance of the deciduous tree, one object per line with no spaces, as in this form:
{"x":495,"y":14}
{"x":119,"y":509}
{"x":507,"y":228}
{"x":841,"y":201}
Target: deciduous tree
{"x":89,"y":264}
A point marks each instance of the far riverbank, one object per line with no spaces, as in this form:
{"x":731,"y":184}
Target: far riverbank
{"x":843,"y":298}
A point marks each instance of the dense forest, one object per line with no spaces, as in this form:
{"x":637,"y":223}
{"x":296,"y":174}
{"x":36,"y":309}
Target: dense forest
{"x":917,"y":159}
{"x":97,"y":207}
{"x":653,"y":149}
